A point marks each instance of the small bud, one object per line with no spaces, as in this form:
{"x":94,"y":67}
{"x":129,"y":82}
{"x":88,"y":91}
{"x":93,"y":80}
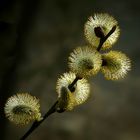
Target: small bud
{"x":66,"y":101}
{"x":98,"y":32}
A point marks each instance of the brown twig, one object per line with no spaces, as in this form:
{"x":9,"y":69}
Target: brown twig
{"x":102,"y":37}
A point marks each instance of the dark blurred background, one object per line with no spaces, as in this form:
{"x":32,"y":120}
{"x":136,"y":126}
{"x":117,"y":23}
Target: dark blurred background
{"x":36,"y":37}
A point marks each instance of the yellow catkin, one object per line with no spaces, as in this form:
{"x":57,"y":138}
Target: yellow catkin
{"x":81,"y":92}
{"x":116,"y":65}
{"x":85,"y":61}
{"x":105,"y":22}
{"x":22,"y":108}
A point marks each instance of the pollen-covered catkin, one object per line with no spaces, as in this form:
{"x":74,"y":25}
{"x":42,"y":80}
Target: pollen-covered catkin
{"x":22,"y":108}
{"x":115,"y":65}
{"x":105,"y":22}
{"x":81,"y":90}
{"x":85,"y":61}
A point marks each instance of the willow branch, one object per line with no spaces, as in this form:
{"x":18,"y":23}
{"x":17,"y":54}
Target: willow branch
{"x":52,"y":110}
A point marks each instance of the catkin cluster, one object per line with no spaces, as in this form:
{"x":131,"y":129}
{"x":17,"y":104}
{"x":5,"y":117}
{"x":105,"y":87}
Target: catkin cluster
{"x":101,"y":33}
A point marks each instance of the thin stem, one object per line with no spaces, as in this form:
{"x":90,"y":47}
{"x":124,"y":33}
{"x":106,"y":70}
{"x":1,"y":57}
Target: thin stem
{"x":37,"y":123}
{"x":103,"y":39}
{"x":71,"y":86}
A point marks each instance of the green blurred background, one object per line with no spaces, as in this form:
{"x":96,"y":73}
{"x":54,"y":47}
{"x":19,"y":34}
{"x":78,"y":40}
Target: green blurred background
{"x":36,"y":37}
